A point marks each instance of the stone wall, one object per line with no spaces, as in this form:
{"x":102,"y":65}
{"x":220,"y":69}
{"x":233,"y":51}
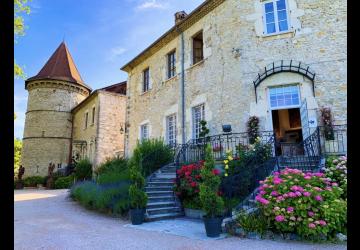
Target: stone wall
{"x":47,"y":132}
{"x":112,"y":118}
{"x":103,"y":138}
{"x":235,"y":51}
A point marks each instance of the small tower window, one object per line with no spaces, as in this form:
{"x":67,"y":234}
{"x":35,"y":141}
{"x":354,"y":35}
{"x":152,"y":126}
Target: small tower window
{"x":93,"y":116}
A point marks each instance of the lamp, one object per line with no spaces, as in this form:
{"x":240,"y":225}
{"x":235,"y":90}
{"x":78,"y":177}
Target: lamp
{"x":226,"y":128}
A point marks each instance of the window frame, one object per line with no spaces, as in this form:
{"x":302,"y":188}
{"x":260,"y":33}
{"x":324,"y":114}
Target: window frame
{"x":93,"y":115}
{"x":174,"y":130}
{"x":147,"y":130}
{"x":193,"y":39}
{"x":86,"y":119}
{"x":171,"y":64}
{"x":146,"y":80}
{"x":194,"y":123}
{"x":284,"y":106}
{"x":276,"y":20}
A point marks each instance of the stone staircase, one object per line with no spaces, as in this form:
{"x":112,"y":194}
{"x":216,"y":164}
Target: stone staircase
{"x":301,"y":162}
{"x":162,"y":201}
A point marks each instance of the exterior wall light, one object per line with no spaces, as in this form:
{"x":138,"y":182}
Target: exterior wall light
{"x":226,"y":128}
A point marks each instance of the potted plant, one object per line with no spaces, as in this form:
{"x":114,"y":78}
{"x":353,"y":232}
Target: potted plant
{"x":138,"y":198}
{"x":212,"y":203}
{"x":253,"y":128}
{"x":330,"y":144}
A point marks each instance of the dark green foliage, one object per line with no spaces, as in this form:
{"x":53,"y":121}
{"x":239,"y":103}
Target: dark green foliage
{"x":193,"y":203}
{"x":64,"y":182}
{"x":138,"y":198}
{"x":83,"y":170}
{"x":204,"y":130}
{"x":112,"y":165}
{"x":32,"y":181}
{"x":154,"y":153}
{"x":253,"y":128}
{"x":254,"y":222}
{"x":212,"y":203}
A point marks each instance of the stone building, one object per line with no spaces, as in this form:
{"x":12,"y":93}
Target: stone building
{"x":99,"y":125}
{"x":58,"y":98}
{"x":280,"y":60}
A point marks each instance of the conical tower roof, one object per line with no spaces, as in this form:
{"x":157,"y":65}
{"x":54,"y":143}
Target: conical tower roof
{"x":60,"y":66}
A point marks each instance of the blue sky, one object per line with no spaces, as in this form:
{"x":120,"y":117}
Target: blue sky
{"x":101,"y":35}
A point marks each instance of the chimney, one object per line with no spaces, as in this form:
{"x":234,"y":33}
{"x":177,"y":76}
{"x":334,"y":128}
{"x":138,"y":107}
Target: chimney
{"x":179,"y":16}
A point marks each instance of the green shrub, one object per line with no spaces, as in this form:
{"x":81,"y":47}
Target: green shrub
{"x":253,"y":222}
{"x":211,"y":202}
{"x":155,"y":154}
{"x":112,"y":165}
{"x":121,"y":207}
{"x":83,"y":170}
{"x":64,"y":182}
{"x":113,"y":177}
{"x":32,"y":181}
{"x":138,"y":198}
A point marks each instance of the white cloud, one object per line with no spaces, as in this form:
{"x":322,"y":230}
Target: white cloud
{"x":115,"y":53}
{"x":151,"y":4}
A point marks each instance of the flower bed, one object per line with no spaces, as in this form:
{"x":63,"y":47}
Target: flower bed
{"x":308,"y":204}
{"x":336,"y":170}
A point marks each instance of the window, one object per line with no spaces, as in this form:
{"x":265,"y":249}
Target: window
{"x":144,"y":133}
{"x":171,"y":64}
{"x":284,"y":96}
{"x":198,"y":115}
{"x":198,"y":54}
{"x":146,"y":80}
{"x":171,"y":129}
{"x":93,"y":116}
{"x":86,"y":119}
{"x":276,"y":18}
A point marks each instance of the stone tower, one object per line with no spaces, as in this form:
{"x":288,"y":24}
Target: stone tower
{"x":53,"y":92}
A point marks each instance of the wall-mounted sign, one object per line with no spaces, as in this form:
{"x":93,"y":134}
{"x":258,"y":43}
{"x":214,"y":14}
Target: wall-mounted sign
{"x":312,"y":122}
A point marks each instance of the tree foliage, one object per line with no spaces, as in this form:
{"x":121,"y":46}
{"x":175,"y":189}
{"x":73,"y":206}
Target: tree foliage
{"x":20,"y":8}
{"x":17,"y":155}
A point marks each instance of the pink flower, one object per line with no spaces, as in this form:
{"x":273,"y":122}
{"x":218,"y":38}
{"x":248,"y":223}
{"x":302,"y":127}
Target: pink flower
{"x":291,"y":194}
{"x":285,"y":195}
{"x":318,"y":189}
{"x":306,"y":194}
{"x":307,"y":177}
{"x":334,"y":184}
{"x":328,"y":188}
{"x":280,"y":198}
{"x":277,"y":180}
{"x":294,"y":188}
{"x":276,"y":208}
{"x":264,"y":201}
{"x":319,"y":174}
{"x":274,"y":193}
{"x":290,"y":209}
{"x":292,"y":218}
{"x":262,"y":192}
{"x":298,"y":193}
{"x":312,"y":225}
{"x":311,"y":214}
{"x":318,"y":198}
{"x":322,"y":222}
{"x":258,"y":197}
{"x":279,"y":218}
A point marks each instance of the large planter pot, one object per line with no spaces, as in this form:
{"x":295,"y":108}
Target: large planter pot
{"x":137,"y":216}
{"x":194,"y":213}
{"x":213,"y":226}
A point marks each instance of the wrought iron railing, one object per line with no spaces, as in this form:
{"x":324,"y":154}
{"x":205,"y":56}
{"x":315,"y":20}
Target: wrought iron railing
{"x":194,"y":150}
{"x":336,"y":143}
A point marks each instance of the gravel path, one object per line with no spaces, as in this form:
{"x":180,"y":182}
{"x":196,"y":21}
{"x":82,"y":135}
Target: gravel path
{"x":48,"y":219}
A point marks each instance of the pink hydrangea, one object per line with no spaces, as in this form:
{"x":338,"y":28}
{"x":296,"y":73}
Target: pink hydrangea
{"x":334,"y":184}
{"x":292,"y":218}
{"x":311,"y":214}
{"x":318,"y":198}
{"x":306,"y":194}
{"x":279,"y":218}
{"x":294,"y":188}
{"x":262,"y":192}
{"x":328,"y":188}
{"x":290,"y":209}
{"x":319,"y":174}
{"x":277,"y":180}
{"x":322,"y":222}
{"x":291,"y":194}
{"x":276,"y":208}
{"x":274,"y":193}
{"x":312,"y":225}
{"x":318,"y":189}
{"x":307,"y":177}
{"x":298,"y":193}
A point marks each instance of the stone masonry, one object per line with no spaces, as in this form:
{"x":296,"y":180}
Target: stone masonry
{"x":235,"y":51}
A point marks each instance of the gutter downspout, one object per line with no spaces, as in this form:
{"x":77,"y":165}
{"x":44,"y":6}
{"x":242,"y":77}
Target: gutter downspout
{"x":97,"y":131}
{"x":71,"y":137}
{"x":182,"y":88}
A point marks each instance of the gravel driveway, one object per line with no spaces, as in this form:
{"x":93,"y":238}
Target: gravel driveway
{"x":48,"y":219}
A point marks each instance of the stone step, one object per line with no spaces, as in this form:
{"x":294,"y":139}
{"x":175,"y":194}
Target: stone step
{"x":163,"y":216}
{"x":159,"y":193}
{"x":163,"y":210}
{"x":162,"y":179}
{"x":161,"y":198}
{"x":158,"y":188}
{"x":160,"y":204}
{"x":160,"y":183}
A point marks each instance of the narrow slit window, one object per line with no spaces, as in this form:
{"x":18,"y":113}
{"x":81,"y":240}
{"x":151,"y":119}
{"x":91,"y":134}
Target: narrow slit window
{"x":146,"y":80}
{"x":93,"y":116}
{"x":171,"y":64}
{"x":198,"y":48}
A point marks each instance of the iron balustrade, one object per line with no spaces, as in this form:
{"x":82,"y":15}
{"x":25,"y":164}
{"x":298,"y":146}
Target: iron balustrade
{"x":337,"y":145}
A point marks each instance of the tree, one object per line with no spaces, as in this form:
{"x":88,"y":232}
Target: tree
{"x":20,"y":7}
{"x":17,"y":155}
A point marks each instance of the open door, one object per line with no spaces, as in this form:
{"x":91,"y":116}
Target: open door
{"x":304,"y":120}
